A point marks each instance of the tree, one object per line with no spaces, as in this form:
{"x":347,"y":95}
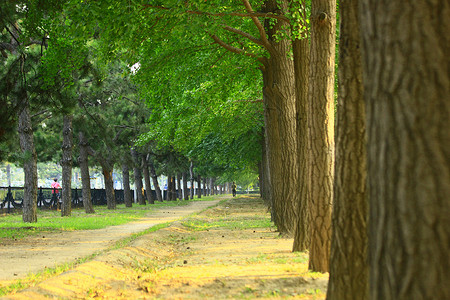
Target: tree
{"x":321,"y":130}
{"x":405,"y":48}
{"x":348,"y":257}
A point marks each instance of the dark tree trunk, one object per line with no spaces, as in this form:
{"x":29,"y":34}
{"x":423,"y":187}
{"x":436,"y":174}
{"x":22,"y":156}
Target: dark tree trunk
{"x":185,"y":189}
{"x":155,"y":181}
{"x":109,"y":187}
{"x":66,"y":163}
{"x":180,"y":189}
{"x":138,"y":178}
{"x":30,"y":164}
{"x":204,"y":187}
{"x":85,"y":178}
{"x":191,"y":173}
{"x":126,"y":185}
{"x":199,"y":182}
{"x":148,"y":186}
{"x":348,"y":257}
{"x":321,"y":131}
{"x":406,"y":73}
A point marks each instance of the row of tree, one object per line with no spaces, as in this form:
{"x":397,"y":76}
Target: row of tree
{"x":239,"y":84}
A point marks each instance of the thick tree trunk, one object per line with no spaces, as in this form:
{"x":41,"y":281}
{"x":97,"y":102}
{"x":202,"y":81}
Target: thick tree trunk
{"x":85,"y":178}
{"x":280,"y":114}
{"x":126,"y":185}
{"x":109,"y":187}
{"x":30,"y":163}
{"x":155,"y":181}
{"x":66,"y":163}
{"x":406,"y":71}
{"x":301,"y":53}
{"x":148,"y":186}
{"x":348,"y":257}
{"x":321,"y":130}
{"x":185,"y":189}
{"x":138,"y":178}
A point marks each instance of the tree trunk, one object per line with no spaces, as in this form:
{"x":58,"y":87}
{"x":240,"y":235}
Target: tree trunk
{"x":406,"y":71}
{"x":85,"y":177}
{"x":348,"y":257}
{"x":155,"y":181}
{"x":199,"y":182}
{"x":126,"y":185}
{"x":204,"y":186}
{"x":109,"y":187}
{"x":179,"y":188}
{"x":280,"y":114}
{"x":148,"y":186}
{"x":191,"y":173}
{"x":185,"y":189}
{"x":138,"y":178}
{"x":301,"y":53}
{"x":66,"y":163}
{"x":29,"y":163}
{"x":321,"y":130}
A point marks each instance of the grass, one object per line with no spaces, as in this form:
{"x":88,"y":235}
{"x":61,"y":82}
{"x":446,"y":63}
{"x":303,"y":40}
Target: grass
{"x":12,"y":226}
{"x":197,"y":223}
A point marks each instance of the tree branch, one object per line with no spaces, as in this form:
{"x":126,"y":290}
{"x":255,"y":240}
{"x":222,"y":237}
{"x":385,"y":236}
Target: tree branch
{"x":244,"y":34}
{"x":231,"y":48}
{"x":260,"y":27}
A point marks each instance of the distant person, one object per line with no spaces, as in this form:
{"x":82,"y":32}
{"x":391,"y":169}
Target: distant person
{"x":55,"y":190}
{"x":233,"y":189}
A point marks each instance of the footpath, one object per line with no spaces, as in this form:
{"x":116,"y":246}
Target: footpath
{"x":229,"y":251}
{"x":34,"y":254}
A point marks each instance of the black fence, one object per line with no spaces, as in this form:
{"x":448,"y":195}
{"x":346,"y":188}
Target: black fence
{"x":11,"y":198}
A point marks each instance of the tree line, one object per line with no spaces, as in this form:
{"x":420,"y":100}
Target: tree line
{"x":254,"y":82}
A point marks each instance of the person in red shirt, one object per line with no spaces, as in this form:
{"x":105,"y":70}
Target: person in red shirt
{"x":55,"y":190}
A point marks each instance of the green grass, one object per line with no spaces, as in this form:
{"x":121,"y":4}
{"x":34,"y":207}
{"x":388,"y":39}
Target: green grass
{"x":197,"y":223}
{"x":12,"y":226}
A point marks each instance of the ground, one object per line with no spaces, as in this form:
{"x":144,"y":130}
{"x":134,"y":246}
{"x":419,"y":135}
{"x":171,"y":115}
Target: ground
{"x":227,"y":251}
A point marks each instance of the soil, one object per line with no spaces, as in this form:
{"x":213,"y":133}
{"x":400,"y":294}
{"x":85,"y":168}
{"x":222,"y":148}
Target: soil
{"x":178,"y":262}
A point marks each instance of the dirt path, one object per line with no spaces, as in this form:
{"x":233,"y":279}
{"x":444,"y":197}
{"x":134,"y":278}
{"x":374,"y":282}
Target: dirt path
{"x":225,"y":252}
{"x":34,"y":254}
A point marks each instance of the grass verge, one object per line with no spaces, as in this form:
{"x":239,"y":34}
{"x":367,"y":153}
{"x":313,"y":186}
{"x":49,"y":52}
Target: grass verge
{"x":12,"y":227}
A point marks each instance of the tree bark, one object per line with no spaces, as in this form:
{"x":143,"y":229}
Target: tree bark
{"x":179,"y":187}
{"x":191,"y":173}
{"x":83,"y":161}
{"x":204,"y":186}
{"x":407,"y":87}
{"x":185,"y":189}
{"x":301,"y":54}
{"x":109,"y":186}
{"x":348,"y":257}
{"x":279,"y":92}
{"x":138,"y":178}
{"x":66,"y":163}
{"x":321,"y":130}
{"x":155,"y":181}
{"x":126,"y":185}
{"x":29,"y":163}
{"x":148,"y":186}
{"x":199,"y":182}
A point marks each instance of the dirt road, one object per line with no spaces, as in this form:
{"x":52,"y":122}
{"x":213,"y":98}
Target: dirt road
{"x":33,"y":254}
{"x":225,"y":252}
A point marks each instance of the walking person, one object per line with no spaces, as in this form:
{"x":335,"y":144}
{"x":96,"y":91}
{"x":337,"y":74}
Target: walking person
{"x":233,"y":189}
{"x":55,"y":192}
